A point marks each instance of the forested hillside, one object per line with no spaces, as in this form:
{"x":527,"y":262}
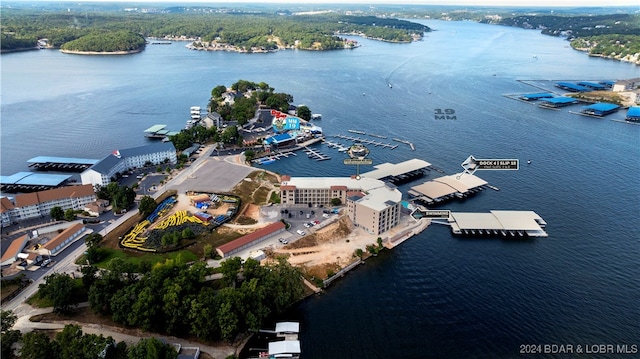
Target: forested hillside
{"x":106,"y":41}
{"x":319,"y":32}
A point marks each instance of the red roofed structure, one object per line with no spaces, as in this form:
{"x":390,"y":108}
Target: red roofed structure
{"x":235,"y":246}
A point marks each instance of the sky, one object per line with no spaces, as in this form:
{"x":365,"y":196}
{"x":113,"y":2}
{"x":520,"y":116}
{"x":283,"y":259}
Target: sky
{"x":528,"y":3}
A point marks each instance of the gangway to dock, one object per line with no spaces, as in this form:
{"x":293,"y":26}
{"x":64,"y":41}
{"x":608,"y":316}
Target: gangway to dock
{"x":413,"y":148}
{"x":367,"y":141}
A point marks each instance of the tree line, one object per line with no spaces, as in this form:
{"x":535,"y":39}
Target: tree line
{"x":22,"y":27}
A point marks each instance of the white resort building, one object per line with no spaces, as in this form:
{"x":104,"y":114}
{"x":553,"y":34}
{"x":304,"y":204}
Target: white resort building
{"x":371,"y":204}
{"x":120,"y":161}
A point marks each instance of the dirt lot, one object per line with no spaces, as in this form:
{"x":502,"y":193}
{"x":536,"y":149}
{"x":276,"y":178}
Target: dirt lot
{"x":329,"y":249}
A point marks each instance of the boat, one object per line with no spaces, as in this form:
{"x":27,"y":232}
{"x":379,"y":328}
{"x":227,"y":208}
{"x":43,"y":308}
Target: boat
{"x":316,"y":116}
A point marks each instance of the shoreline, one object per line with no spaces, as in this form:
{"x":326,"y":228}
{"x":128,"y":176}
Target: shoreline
{"x":129,"y":52}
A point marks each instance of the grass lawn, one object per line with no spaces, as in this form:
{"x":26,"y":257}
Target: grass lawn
{"x":137,"y":258}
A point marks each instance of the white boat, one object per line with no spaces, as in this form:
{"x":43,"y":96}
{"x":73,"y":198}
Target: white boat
{"x":316,"y":116}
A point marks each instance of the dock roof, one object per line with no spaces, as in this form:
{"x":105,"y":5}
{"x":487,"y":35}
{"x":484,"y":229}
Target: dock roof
{"x":287,"y":327}
{"x":284,"y":348}
{"x":462,"y":182}
{"x":387,"y":169}
{"x":63,"y":160}
{"x":434,"y":190}
{"x":155,"y":128}
{"x":498,"y":220}
{"x":593,"y":85}
{"x":633,"y":112}
{"x":535,"y":96}
{"x":560,"y":100}
{"x":572,"y":87}
{"x":602,"y":106}
{"x":34,"y":179}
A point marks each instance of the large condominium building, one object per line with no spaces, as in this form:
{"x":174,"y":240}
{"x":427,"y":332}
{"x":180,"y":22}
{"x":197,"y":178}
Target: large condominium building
{"x":123,"y":160}
{"x":371,"y":204}
{"x":37,"y":204}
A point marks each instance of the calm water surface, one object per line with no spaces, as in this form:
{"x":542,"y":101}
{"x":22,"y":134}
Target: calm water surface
{"x":435,"y":296}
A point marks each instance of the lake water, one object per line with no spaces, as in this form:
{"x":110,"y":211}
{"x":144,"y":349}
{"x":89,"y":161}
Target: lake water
{"x":436,"y":295}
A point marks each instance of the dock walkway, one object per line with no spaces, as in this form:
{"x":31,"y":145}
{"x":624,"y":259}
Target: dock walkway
{"x":367,"y":141}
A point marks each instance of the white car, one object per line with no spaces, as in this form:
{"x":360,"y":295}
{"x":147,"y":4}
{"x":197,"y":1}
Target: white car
{"x":283,"y":241}
{"x":326,"y":215}
{"x":302,"y":233}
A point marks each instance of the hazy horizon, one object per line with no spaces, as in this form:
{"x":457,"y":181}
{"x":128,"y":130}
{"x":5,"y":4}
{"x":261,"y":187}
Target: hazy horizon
{"x":475,"y":3}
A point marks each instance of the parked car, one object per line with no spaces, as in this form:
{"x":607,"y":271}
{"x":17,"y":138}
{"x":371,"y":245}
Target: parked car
{"x":316,"y":222}
{"x":326,"y":215}
{"x":283,"y":241}
{"x":45,"y":262}
{"x":302,"y":233}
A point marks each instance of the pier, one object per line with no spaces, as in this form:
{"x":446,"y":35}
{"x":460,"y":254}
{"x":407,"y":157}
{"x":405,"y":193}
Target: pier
{"x":367,"y":141}
{"x":406,"y":142}
{"x":313,"y":154}
{"x":339,"y":146}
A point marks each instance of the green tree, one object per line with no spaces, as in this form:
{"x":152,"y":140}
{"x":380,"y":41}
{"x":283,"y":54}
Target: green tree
{"x":59,"y":288}
{"x":152,"y":348}
{"x":57,"y":213}
{"x":335,"y":201}
{"x":187,"y":233}
{"x":89,"y":276}
{"x":37,"y":345}
{"x":8,"y":336}
{"x":249,"y":155}
{"x":230,"y":268}
{"x":209,"y":252}
{"x":147,"y":205}
{"x":93,"y":239}
{"x":304,"y":113}
{"x":69,"y":215}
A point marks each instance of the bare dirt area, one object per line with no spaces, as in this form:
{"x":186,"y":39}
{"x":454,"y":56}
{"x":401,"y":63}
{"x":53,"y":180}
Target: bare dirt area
{"x":328,"y":249}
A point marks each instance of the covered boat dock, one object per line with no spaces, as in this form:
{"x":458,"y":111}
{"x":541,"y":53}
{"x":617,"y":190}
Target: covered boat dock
{"x":593,"y":85}
{"x":512,"y":224}
{"x":570,"y":86}
{"x":446,"y":188}
{"x":600,"y":109}
{"x":556,"y":102}
{"x":536,"y":96}
{"x":398,"y":173}
{"x":31,"y":182}
{"x":62,"y":164}
{"x":633,"y":114}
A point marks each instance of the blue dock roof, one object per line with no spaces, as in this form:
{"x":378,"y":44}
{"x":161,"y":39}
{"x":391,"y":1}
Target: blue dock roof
{"x":602,"y":107}
{"x":593,"y":85}
{"x":34,"y":179}
{"x":633,"y":112}
{"x":572,"y":87}
{"x":535,"y":96}
{"x":560,"y":100}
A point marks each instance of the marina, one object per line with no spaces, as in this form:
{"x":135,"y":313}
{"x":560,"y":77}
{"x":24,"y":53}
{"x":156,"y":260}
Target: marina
{"x":367,"y":141}
{"x":313,"y":154}
{"x":446,"y":188}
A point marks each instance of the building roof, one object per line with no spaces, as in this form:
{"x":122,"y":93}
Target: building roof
{"x":147,"y":149}
{"x":14,"y":248}
{"x":395,"y":169}
{"x":60,"y":238}
{"x":6,"y":204}
{"x":30,"y":199}
{"x":246,"y":239}
{"x":380,"y":198}
{"x":363,"y":184}
{"x":107,"y":163}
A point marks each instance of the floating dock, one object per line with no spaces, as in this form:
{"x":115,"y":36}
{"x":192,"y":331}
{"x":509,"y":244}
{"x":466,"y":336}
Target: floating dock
{"x":413,"y":148}
{"x":367,"y":141}
{"x":445,"y":188}
{"x":313,"y":154}
{"x":398,"y":173}
{"x":510,"y":224}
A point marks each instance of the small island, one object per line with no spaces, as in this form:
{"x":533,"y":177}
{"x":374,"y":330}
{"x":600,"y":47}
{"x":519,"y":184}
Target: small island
{"x":106,"y":43}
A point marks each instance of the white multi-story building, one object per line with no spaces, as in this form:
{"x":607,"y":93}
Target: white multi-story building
{"x":37,"y":204}
{"x":102,"y":172}
{"x":371,"y":204}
